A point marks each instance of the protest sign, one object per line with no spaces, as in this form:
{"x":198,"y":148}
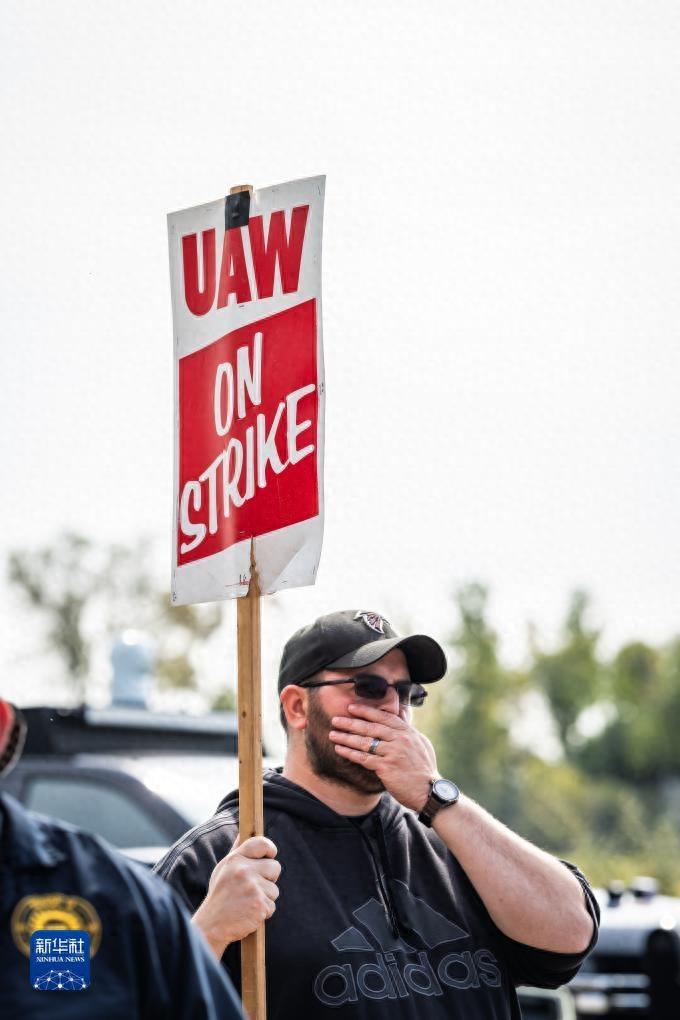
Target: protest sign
{"x":248,"y":509}
{"x":246,"y":297}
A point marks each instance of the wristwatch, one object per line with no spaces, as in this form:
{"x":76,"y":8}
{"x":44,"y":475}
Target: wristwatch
{"x":442,"y":793}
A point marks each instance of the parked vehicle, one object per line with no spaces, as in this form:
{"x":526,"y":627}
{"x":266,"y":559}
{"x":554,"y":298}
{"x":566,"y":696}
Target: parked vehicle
{"x":634,"y":971}
{"x":138,"y":779}
{"x":545,"y":1004}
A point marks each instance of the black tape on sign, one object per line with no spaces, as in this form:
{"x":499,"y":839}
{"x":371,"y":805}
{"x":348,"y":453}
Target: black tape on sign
{"x":237,"y":210}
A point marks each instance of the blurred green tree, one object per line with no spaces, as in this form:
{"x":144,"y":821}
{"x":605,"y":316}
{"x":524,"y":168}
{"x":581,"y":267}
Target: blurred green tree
{"x":640,"y":743}
{"x":59,"y":583}
{"x":225,"y":701}
{"x":469,"y":720}
{"x":84,"y":591}
{"x":590,"y":806}
{"x":571,"y":677}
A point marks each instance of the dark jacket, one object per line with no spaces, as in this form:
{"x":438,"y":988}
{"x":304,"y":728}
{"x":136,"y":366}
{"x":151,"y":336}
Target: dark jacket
{"x":150,"y":962}
{"x":375,"y":918}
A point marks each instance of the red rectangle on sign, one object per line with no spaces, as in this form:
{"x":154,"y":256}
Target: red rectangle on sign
{"x":248,"y":414}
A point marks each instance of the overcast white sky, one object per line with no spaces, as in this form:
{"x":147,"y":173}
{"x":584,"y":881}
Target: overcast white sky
{"x":500,"y":272}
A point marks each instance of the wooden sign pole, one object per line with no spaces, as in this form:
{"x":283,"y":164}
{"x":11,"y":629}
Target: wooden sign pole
{"x":251,"y":812}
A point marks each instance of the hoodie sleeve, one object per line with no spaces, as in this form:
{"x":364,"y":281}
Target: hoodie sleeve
{"x":188,"y":865}
{"x":540,"y":967}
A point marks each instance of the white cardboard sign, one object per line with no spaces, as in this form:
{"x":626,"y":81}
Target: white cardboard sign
{"x":249,"y":391}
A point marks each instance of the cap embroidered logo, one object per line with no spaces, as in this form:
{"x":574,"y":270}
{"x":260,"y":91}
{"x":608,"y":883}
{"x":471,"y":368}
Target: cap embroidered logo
{"x":372,"y":620}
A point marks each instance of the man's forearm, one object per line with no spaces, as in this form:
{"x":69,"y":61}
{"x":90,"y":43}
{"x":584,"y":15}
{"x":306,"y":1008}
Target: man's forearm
{"x":530,"y":895}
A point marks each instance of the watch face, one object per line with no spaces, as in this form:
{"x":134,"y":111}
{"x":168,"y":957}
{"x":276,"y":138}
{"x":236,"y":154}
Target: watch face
{"x":445,"y":791}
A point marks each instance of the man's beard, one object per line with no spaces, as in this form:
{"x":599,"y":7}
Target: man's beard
{"x":325,"y":760}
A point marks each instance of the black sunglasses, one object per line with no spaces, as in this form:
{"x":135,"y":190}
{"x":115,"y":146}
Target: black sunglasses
{"x":374,"y":688}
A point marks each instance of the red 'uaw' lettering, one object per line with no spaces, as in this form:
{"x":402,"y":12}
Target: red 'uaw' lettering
{"x":234,"y":273}
{"x":280,"y":246}
{"x":287,"y":249}
{"x":199,"y":299}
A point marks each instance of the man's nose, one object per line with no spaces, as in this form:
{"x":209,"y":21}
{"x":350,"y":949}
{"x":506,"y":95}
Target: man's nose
{"x":390,"y":703}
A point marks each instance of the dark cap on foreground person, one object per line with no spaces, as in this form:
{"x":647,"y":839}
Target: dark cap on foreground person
{"x":12,"y":736}
{"x":353,"y":638}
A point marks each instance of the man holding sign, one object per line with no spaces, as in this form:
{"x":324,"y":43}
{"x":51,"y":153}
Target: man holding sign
{"x":399,"y":895}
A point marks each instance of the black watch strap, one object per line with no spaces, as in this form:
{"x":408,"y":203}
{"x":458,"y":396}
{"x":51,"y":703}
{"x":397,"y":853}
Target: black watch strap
{"x":443,"y":793}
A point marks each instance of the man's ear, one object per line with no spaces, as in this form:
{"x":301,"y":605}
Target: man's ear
{"x":294,"y":705}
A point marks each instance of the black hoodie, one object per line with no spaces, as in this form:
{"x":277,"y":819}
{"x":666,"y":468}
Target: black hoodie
{"x":376,"y":917}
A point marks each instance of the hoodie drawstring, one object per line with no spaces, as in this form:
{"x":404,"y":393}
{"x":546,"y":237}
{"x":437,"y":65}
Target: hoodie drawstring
{"x":380,"y":871}
{"x":397,"y":925}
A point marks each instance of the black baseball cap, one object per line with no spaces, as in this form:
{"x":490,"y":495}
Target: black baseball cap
{"x":353,"y":638}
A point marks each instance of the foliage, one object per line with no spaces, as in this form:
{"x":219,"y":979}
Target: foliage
{"x":57,"y":583}
{"x":225,"y":701}
{"x":640,"y":744}
{"x":471,"y":731}
{"x":605,"y":803}
{"x":84,"y":593}
{"x":570,"y":677}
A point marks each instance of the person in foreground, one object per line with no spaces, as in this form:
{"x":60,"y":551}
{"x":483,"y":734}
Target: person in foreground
{"x":147,"y":961}
{"x":400,"y":896}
